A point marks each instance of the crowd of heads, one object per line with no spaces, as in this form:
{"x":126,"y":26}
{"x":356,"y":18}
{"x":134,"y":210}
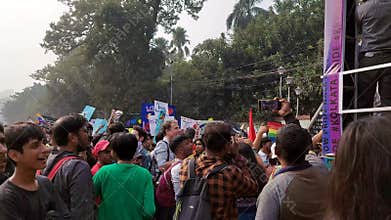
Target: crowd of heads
{"x":361,"y":172}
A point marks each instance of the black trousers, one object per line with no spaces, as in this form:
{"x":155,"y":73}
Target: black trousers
{"x":367,"y":81}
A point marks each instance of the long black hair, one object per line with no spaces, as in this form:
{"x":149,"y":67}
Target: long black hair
{"x":361,"y":178}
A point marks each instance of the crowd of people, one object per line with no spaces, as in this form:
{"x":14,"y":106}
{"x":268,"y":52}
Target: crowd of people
{"x":69,"y":172}
{"x":122,"y":174}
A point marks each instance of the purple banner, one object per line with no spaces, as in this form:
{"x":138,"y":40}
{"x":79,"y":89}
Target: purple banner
{"x":334,"y":36}
{"x":331,"y":119}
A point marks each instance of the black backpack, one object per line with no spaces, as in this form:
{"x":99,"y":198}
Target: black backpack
{"x":154,"y":168}
{"x":193,"y":200}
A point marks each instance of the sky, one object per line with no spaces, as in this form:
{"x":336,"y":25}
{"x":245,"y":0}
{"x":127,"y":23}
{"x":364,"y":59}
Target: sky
{"x":23,"y":24}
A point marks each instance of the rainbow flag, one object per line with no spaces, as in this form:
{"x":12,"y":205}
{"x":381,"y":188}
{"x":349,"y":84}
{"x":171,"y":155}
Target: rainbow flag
{"x":273,"y":129}
{"x":40,"y":120}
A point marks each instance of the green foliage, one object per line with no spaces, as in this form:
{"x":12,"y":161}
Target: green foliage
{"x":235,"y":73}
{"x":108,"y":57}
{"x":107,"y":54}
{"x":178,"y":43}
{"x":24,"y":104}
{"x":244,"y":12}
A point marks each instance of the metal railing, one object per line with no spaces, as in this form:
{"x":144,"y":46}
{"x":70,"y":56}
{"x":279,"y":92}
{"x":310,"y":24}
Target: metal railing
{"x":362,"y":110}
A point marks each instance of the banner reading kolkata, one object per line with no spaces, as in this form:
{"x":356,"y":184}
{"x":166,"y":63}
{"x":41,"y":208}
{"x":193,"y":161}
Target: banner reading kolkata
{"x":334,"y":37}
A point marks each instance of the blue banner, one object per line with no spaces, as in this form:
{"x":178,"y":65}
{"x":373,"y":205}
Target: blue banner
{"x":148,"y":109}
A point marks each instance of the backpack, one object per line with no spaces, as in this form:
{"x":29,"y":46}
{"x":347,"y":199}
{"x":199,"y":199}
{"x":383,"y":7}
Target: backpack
{"x":58,"y":165}
{"x":193,"y":200}
{"x":154,"y":168}
{"x":165,"y":195}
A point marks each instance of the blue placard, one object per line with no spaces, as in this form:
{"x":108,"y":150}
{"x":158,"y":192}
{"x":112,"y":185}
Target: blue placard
{"x":88,"y":112}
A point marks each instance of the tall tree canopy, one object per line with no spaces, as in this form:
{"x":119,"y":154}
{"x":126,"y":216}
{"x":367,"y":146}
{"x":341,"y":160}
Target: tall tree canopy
{"x":106,"y":52}
{"x":244,"y":12}
{"x":178,"y":43}
{"x":109,"y":57}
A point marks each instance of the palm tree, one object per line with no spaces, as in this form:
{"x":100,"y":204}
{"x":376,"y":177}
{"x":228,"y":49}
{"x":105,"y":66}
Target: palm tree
{"x":178,"y":43}
{"x":244,"y":11}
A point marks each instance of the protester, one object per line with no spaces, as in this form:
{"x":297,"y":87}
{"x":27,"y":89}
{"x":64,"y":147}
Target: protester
{"x":125,"y":189}
{"x":190,"y":132}
{"x":182,"y":148}
{"x":116,"y":127}
{"x":149,"y":144}
{"x":73,"y":177}
{"x":113,"y":128}
{"x":159,"y":136}
{"x":91,"y":160}
{"x":259,"y":142}
{"x":361,"y":176}
{"x":199,"y":147}
{"x":142,"y":152}
{"x":298,"y":190}
{"x":169,"y":184}
{"x":247,"y":206}
{"x":231,"y":182}
{"x":162,"y":153}
{"x":265,"y":151}
{"x":102,"y":152}
{"x":25,"y":195}
{"x":373,"y":21}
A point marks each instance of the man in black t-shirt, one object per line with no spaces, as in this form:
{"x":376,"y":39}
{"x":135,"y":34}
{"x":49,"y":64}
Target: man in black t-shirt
{"x":25,"y":195}
{"x":373,"y":20}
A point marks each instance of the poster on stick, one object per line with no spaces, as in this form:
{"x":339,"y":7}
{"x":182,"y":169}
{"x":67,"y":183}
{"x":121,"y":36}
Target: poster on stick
{"x":99,"y":125}
{"x":88,"y":111}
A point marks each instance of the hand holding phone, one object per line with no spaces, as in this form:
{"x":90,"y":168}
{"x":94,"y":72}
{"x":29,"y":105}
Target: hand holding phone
{"x":269,"y":105}
{"x":285,"y":108}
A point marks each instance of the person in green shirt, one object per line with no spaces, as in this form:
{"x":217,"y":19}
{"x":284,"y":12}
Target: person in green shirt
{"x":125,"y":189}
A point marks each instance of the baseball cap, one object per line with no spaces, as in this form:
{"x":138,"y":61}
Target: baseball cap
{"x":100,"y":146}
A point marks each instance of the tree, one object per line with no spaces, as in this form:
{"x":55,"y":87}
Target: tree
{"x":25,"y":104}
{"x":102,"y":63}
{"x":244,"y":12}
{"x":113,"y":42}
{"x":292,"y":38}
{"x":178,"y":43}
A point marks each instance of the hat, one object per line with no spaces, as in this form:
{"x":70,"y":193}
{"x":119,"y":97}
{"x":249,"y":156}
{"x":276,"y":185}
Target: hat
{"x":100,"y":146}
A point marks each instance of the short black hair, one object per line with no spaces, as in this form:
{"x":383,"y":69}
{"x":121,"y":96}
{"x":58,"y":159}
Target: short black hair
{"x":124,"y":145}
{"x":246,"y":151}
{"x":20,"y":133}
{"x":116,"y":127}
{"x":141,"y":132}
{"x":265,"y":140}
{"x":200,"y":140}
{"x":178,"y":140}
{"x":217,"y":135}
{"x":159,"y":136}
{"x":292,"y":143}
{"x":190,"y":132}
{"x":67,"y":124}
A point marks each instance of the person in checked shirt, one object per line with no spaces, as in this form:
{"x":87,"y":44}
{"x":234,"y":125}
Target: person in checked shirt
{"x":231,"y":182}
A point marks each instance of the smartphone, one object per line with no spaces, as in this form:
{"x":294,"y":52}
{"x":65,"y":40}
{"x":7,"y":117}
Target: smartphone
{"x":269,"y":105}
